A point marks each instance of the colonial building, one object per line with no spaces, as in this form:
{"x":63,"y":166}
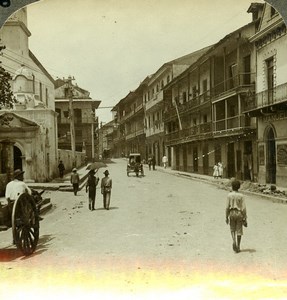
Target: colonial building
{"x":84,"y":118}
{"x":28,"y":133}
{"x":130,"y":135}
{"x":154,"y":104}
{"x":269,"y":104}
{"x":203,"y":116}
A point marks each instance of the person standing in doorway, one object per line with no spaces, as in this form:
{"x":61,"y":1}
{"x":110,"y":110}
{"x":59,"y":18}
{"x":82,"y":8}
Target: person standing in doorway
{"x":164,"y":161}
{"x":106,"y":188}
{"x":236,"y":214}
{"x":75,"y":180}
{"x":91,"y":186}
{"x":149,"y":161}
{"x":61,"y":168}
{"x":215,"y":171}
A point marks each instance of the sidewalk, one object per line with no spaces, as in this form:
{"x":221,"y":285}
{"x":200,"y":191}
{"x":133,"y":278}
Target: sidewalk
{"x":247,"y":187}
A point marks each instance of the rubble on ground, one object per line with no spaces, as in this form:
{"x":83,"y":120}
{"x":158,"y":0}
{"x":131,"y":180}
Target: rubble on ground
{"x":256,"y":188}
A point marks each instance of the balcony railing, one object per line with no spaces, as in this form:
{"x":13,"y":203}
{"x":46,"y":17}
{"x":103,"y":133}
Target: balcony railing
{"x":231,"y":85}
{"x":154,"y":100}
{"x":266,"y":98}
{"x":192,"y":132}
{"x":230,"y":123}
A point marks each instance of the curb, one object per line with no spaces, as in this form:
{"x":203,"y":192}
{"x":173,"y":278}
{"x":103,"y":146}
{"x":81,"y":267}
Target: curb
{"x":272,"y":198}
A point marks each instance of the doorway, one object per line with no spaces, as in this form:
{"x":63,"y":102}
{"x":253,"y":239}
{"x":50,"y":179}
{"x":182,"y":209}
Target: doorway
{"x":230,"y":161}
{"x":270,"y":157}
{"x":17,"y":158}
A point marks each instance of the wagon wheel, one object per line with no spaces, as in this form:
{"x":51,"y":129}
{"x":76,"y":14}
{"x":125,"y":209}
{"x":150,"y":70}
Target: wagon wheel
{"x":25,"y":224}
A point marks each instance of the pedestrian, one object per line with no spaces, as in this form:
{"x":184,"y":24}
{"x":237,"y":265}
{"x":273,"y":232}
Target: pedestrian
{"x":164,"y":161}
{"x":149,"y":161}
{"x":61,"y":168}
{"x":153,"y":162}
{"x":106,"y":188}
{"x":91,"y":186}
{"x":220,"y":169}
{"x":236,"y":214}
{"x":75,"y":180}
{"x":215,"y":171}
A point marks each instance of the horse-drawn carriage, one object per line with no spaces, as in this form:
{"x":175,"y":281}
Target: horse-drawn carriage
{"x":23,"y":217}
{"x":135,"y":164}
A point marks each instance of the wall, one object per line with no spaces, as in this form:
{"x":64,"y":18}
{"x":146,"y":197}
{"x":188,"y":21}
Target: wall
{"x":66,"y":157}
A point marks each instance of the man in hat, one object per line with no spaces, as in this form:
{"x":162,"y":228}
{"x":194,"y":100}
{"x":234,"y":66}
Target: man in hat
{"x":16,"y":187}
{"x":75,"y":180}
{"x":106,"y":187}
{"x":91,"y":186}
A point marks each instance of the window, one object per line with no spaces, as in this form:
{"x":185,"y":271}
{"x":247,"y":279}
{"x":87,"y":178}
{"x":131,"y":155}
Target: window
{"x":270,"y":78}
{"x":204,"y":118}
{"x":40,"y":91}
{"x":168,"y":79}
{"x":47,"y":97}
{"x":58,"y":111}
{"x":78,"y":115}
{"x":162,"y":84}
{"x":272,"y":11}
{"x":184,"y":97}
{"x":194,"y":92}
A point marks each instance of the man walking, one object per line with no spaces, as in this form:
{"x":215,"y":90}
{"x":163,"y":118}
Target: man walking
{"x":61,"y":168}
{"x":75,"y":180}
{"x":236,"y":214}
{"x":91,"y":188}
{"x":164,"y":161}
{"x":106,"y":187}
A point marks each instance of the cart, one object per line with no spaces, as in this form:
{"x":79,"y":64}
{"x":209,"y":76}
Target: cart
{"x":23,"y":217}
{"x":135,"y":164}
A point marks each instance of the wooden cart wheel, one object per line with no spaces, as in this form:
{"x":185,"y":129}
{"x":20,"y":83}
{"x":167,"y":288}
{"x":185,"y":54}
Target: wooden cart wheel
{"x":25,"y":224}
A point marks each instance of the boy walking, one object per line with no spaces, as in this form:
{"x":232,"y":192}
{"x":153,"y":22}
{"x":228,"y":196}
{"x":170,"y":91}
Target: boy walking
{"x":106,"y":187}
{"x":236,"y":214}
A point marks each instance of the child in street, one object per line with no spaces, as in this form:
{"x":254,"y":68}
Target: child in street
{"x":236,"y":214}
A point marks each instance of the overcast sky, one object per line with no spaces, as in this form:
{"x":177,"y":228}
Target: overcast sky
{"x":110,"y":46}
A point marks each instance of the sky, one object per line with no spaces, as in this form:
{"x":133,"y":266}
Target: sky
{"x":110,"y":46}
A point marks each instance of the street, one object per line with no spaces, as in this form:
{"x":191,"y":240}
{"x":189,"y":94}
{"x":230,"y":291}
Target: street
{"x":163,"y":235}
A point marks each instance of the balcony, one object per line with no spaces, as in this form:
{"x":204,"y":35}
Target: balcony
{"x":232,"y":125}
{"x":192,"y":133}
{"x":243,"y":82}
{"x":154,"y":101}
{"x":264,"y":100}
{"x":134,"y":134}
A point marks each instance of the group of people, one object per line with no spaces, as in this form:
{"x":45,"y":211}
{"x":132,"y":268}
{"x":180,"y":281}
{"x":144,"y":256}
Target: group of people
{"x":235,"y":210}
{"x":91,"y":185}
{"x":218,"y":170}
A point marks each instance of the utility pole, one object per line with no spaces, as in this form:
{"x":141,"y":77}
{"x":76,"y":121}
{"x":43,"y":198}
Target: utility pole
{"x":69,"y":94}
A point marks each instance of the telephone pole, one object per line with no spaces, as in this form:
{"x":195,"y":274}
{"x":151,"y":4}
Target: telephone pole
{"x":69,"y":94}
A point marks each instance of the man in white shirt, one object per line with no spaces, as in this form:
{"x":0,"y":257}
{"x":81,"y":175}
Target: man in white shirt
{"x":16,"y":187}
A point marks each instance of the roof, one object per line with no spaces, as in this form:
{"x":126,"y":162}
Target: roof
{"x":36,"y":61}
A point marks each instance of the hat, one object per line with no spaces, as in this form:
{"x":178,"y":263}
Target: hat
{"x":18,"y":172}
{"x":106,"y":172}
{"x":74,"y":170}
{"x":92,"y":171}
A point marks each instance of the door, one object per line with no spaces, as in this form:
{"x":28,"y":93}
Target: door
{"x":195,"y":159}
{"x":205,"y":160}
{"x":270,"y":157}
{"x":230,"y":161}
{"x":184,"y":155}
{"x":17,"y":158}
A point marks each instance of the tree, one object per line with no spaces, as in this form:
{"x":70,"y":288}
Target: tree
{"x":7,"y":98}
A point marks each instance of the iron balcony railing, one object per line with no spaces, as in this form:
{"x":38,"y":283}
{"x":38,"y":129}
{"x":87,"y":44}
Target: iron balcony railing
{"x":266,"y":98}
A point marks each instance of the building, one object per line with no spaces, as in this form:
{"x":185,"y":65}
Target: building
{"x":84,"y":118}
{"x":129,"y":135}
{"x":204,"y":117}
{"x":28,"y":133}
{"x":269,"y":102}
{"x":154,"y":95}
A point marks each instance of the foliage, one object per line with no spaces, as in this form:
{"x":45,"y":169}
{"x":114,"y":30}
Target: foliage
{"x":7,"y":98}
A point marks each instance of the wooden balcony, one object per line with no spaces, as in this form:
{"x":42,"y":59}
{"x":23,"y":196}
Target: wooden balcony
{"x":192,"y":133}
